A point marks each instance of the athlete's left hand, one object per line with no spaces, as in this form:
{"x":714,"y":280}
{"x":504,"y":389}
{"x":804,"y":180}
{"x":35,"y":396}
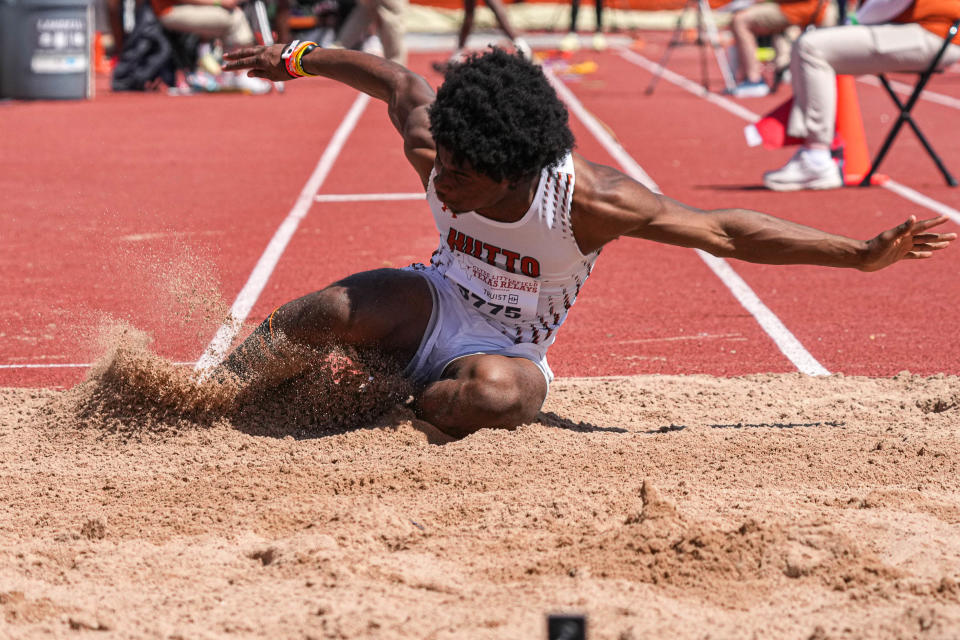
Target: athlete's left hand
{"x":263,"y":62}
{"x":908,"y":241}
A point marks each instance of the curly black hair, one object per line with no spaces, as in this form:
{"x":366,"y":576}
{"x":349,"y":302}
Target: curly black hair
{"x":498,"y":112}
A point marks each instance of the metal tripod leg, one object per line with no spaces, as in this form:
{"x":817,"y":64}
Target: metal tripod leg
{"x":675,"y":40}
{"x":713,"y":37}
{"x":263,"y":26}
{"x":705,"y":23}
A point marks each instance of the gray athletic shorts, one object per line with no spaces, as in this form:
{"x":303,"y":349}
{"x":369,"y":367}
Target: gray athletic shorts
{"x":456,"y":330}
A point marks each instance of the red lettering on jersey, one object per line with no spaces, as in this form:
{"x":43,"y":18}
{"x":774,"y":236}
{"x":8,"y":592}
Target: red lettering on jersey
{"x":492,"y":252}
{"x":511,"y":257}
{"x":530,"y":267}
{"x":457,"y":241}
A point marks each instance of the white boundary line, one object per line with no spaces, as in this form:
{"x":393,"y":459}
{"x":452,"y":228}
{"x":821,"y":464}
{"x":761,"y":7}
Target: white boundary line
{"x":891,"y":185}
{"x":368,"y":197}
{"x":768,"y":321}
{"x":922,"y":200}
{"x":906,"y":90}
{"x":216,"y":350}
{"x":593,"y":125}
{"x":689,"y":85}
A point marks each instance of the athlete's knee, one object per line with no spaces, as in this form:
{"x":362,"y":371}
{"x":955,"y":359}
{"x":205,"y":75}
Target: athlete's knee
{"x":317,"y":316}
{"x":808,"y":49}
{"x":497,"y":391}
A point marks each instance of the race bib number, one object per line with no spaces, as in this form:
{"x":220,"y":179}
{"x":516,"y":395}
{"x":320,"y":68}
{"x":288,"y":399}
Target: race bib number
{"x":495,"y":292}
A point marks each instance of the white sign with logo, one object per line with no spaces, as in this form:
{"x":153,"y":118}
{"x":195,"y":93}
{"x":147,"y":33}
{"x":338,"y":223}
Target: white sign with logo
{"x":61,"y":46}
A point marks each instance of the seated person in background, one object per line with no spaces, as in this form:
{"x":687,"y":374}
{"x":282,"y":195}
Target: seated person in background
{"x":388,"y":16}
{"x":893,"y":35}
{"x":314,"y":20}
{"x":766,"y":19}
{"x":211,"y":20}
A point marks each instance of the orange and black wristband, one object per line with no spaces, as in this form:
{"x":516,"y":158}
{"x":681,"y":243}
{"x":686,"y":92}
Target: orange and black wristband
{"x":292,"y":57}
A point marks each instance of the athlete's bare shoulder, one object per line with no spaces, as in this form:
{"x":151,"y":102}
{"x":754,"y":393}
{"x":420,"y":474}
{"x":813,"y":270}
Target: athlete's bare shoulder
{"x":410,"y":113}
{"x":606,"y":204}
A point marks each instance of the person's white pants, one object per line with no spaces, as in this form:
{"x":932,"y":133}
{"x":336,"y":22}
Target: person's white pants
{"x":209,"y":22}
{"x":819,"y":55}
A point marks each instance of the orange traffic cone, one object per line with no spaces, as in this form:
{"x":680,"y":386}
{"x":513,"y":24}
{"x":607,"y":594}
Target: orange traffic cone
{"x":856,"y":157}
{"x":100,"y":62}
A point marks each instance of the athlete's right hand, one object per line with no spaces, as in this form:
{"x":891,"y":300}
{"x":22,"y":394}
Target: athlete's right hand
{"x":262,"y":62}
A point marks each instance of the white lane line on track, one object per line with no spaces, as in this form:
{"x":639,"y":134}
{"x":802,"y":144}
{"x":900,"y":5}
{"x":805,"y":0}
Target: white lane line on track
{"x":786,"y":341}
{"x":906,"y":90}
{"x":891,"y":185}
{"x":367,"y":197}
{"x":217,"y":349}
{"x":691,"y":86}
{"x":768,"y":321}
{"x":71,"y":366}
{"x":614,"y":148}
{"x":922,"y":200}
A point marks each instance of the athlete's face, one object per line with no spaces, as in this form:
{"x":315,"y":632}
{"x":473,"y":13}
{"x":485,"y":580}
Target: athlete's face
{"x":461,"y":188}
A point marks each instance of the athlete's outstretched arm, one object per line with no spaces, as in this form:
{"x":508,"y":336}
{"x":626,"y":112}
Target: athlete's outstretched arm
{"x":608,"y":205}
{"x":407,"y":94}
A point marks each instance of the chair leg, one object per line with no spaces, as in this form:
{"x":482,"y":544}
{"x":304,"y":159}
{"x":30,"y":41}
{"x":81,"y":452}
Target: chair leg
{"x":883,"y":152}
{"x":906,"y":117}
{"x":933,"y":154}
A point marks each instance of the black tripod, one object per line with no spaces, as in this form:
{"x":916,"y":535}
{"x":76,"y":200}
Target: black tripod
{"x":705,"y":26}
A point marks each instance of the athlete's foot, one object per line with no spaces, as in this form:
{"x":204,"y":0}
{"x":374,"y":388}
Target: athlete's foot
{"x":599,"y":42}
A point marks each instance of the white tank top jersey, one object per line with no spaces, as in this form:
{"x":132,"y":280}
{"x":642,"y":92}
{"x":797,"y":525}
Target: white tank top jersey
{"x":521,"y":276}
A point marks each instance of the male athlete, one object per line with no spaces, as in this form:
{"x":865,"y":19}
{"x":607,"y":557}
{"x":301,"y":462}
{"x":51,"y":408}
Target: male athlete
{"x":522,"y":220}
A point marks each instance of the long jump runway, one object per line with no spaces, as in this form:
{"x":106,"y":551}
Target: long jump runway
{"x":729,"y":449}
{"x":93,"y":190}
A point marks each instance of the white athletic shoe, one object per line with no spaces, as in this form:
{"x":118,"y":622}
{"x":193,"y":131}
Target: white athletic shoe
{"x":240,"y":81}
{"x":599,"y":42}
{"x":570,"y":42}
{"x":747,"y":89}
{"x":803,"y":172}
{"x":523,"y":48}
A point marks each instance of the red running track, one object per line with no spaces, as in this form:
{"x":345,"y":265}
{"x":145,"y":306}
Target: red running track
{"x":110,"y":205}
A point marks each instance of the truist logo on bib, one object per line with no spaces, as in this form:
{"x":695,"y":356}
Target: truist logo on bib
{"x":511,"y":260}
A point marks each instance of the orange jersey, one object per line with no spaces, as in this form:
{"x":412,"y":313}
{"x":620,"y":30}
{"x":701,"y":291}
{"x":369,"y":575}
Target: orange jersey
{"x":933,"y":15}
{"x":803,"y":12}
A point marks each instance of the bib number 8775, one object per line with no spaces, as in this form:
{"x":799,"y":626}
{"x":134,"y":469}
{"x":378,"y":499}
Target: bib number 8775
{"x":494,"y":309}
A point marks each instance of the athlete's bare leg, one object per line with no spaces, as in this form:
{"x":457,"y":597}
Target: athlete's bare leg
{"x":483,"y":391}
{"x":469,"y":9}
{"x":500,"y":13}
{"x":386,"y":310}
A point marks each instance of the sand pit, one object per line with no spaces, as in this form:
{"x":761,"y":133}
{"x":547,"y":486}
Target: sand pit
{"x":673,"y":507}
